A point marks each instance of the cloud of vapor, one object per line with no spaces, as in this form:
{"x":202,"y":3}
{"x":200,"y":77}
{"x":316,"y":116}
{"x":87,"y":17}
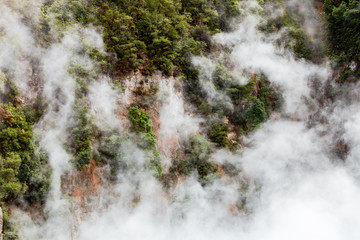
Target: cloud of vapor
{"x":252,"y":51}
{"x":283,"y":186}
{"x":207,"y":68}
{"x":58,"y":91}
{"x":28,"y":9}
{"x":104,"y":101}
{"x":306,"y":11}
{"x":17,"y":47}
{"x":175,"y":122}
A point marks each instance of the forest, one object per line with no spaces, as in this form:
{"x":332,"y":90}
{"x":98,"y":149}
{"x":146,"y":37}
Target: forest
{"x":57,"y":132}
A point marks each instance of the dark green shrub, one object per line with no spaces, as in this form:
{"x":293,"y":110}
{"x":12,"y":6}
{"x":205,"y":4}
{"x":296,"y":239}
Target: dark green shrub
{"x":142,"y":124}
{"x":344,"y":28}
{"x":10,"y":186}
{"x":222,"y":78}
{"x":82,"y":135}
{"x":197,"y":158}
{"x":218,"y":134}
{"x":256,"y":113}
{"x":20,"y":166}
{"x":110,"y":148}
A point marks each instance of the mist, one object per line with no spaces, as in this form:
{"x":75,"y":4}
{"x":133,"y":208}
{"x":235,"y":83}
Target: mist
{"x":285,"y":184}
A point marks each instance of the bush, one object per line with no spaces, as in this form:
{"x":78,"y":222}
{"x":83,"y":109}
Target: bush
{"x":141,"y":123}
{"x":256,"y":114}
{"x":110,"y":148}
{"x":197,"y":158}
{"x":222,"y":78}
{"x":218,"y":134}
{"x":81,"y":136}
{"x":10,"y":186}
{"x":19,"y":164}
{"x":344,"y":28}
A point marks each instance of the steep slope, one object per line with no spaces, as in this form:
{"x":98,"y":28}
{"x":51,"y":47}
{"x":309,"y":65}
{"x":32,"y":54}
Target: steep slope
{"x":179,"y":119}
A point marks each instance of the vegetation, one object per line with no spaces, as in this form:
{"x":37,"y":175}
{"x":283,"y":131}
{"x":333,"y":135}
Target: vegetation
{"x":141,"y":123}
{"x":251,"y":103}
{"x":343,"y":19}
{"x":218,"y":134}
{"x":145,"y":35}
{"x":295,"y":38}
{"x":344,"y":28}
{"x":159,"y":34}
{"x":196,"y":158}
{"x":81,"y":136}
{"x":23,"y":170}
{"x":110,"y":148}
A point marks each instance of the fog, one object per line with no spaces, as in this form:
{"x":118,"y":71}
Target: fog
{"x":286,"y":184}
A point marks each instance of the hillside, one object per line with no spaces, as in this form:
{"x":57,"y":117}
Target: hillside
{"x":179,"y":119}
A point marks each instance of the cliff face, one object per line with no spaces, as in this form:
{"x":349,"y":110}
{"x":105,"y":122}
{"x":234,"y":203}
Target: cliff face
{"x":178,"y":120}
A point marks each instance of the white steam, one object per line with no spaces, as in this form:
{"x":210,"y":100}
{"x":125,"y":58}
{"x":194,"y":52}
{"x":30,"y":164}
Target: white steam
{"x":53,"y":129}
{"x":250,"y":50}
{"x":17,"y":47}
{"x":104,"y":103}
{"x":285,"y":187}
{"x":175,"y":123}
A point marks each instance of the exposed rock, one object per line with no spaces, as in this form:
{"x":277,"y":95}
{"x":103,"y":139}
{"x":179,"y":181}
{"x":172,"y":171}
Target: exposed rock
{"x":84,"y":186}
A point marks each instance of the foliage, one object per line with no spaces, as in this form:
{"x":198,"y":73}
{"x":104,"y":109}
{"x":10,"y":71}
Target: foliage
{"x":81,"y":136}
{"x":250,"y":103}
{"x":15,"y":131}
{"x":144,"y":35}
{"x":37,"y":175}
{"x":344,"y":28}
{"x":222,"y":77}
{"x":83,"y":77}
{"x":9,"y":229}
{"x":140,"y":121}
{"x":142,"y":124}
{"x":256,"y":113}
{"x":8,"y":88}
{"x":110,"y":148}
{"x":218,"y":133}
{"x":10,"y":186}
{"x":22,"y":171}
{"x":197,"y":158}
{"x":296,"y":38}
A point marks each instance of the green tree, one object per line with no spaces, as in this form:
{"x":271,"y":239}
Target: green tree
{"x":10,"y":186}
{"x":82,"y":135}
{"x":256,"y":113}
